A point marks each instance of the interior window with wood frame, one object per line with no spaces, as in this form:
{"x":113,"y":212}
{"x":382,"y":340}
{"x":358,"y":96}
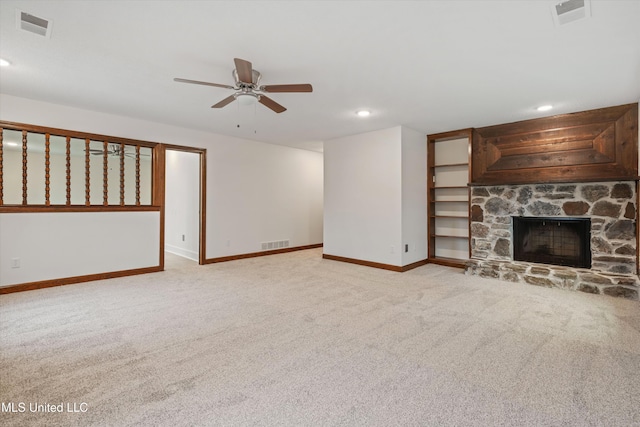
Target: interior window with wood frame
{"x":46,"y":167}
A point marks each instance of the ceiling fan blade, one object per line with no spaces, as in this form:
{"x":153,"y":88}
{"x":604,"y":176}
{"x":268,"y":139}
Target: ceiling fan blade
{"x":98,"y":152}
{"x":244,"y":69}
{"x":270,"y":103}
{"x":202,"y":83}
{"x":227,"y":100}
{"x":288,"y":88}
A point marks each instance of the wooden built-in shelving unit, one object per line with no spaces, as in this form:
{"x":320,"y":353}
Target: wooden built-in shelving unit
{"x":448,"y":175}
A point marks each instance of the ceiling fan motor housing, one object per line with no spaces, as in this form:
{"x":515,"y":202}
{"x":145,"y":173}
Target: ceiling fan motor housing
{"x":255,"y":78}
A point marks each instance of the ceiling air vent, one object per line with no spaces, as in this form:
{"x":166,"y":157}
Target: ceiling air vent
{"x":34,"y":24}
{"x":570,"y":10}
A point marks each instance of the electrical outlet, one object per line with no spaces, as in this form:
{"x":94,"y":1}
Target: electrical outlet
{"x":406,"y":248}
{"x":15,"y":262}
{"x":393,"y":249}
{"x":228,"y":243}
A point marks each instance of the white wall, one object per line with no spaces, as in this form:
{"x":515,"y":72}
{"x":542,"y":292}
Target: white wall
{"x":375,"y":196}
{"x":57,"y":245}
{"x":256,"y":192}
{"x":182,"y":204}
{"x":260,"y":193}
{"x":414,"y":195}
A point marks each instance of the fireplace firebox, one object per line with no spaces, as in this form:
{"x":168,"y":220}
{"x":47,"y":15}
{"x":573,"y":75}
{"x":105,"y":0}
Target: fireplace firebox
{"x":558,"y":241}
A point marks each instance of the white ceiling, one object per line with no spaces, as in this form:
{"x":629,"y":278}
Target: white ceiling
{"x":432,"y":66}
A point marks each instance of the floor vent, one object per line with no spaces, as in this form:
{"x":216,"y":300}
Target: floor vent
{"x":278,"y":244}
{"x":33,"y":24}
{"x":570,"y":10}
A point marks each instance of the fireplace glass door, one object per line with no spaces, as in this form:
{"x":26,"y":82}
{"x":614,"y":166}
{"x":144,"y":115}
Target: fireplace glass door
{"x":557,"y":241}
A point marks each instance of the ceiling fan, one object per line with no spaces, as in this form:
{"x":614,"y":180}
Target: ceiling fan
{"x":115,"y":151}
{"x":248,"y":87}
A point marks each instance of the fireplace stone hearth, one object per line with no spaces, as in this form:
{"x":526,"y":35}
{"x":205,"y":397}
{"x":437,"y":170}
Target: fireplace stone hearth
{"x":611,"y":207}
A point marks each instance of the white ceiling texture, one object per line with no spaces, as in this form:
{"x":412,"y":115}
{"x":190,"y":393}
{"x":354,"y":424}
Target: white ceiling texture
{"x":432,"y":66}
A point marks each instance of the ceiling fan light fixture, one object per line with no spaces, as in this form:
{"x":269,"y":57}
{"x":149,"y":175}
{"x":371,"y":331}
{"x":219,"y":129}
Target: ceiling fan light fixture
{"x":363,"y":113}
{"x":247,"y":98}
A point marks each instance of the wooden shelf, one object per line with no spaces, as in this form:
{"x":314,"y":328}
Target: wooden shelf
{"x":451,"y":164}
{"x":450,"y":201}
{"x":450,"y":216}
{"x":449,"y":236}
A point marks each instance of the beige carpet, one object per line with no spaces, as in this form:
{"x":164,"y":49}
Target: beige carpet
{"x":295,"y":340}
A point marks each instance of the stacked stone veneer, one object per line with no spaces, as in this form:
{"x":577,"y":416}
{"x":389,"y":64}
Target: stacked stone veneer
{"x":611,"y":207}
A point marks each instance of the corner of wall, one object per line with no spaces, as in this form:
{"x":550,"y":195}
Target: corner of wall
{"x":414,"y":196}
{"x":363,"y":196}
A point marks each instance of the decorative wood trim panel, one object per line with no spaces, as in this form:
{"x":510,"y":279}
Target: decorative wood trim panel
{"x":121,"y":174}
{"x":47,"y":169}
{"x":76,"y":208}
{"x":87,"y":175}
{"x":175,"y":147}
{"x":157,"y":192}
{"x":68,"y":170}
{"x":591,"y":145}
{"x":76,"y":279}
{"x":396,"y":268}
{"x":203,"y":207}
{"x":24,"y":167}
{"x":262,"y":253}
{"x":431,"y":219}
{"x":105,"y":173}
{"x":105,"y":141}
{"x":137,"y":175}
{"x":74,"y":134}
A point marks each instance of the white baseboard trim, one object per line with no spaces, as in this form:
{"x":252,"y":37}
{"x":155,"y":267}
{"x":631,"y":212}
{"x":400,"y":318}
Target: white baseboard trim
{"x":185,"y":253}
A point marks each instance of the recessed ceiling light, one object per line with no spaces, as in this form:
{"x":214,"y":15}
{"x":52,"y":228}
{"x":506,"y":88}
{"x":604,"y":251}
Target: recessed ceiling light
{"x":544,"y":107}
{"x":4,"y":63}
{"x":363,"y":113}
{"x":12,"y":144}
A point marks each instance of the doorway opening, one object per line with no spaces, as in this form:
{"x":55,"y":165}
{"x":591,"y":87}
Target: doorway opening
{"x":185,"y":202}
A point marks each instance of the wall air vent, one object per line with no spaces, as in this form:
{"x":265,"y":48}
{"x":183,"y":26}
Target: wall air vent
{"x":33,"y":24}
{"x":278,"y":244}
{"x":570,"y":10}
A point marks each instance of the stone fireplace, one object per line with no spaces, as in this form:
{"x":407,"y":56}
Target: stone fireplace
{"x":609,"y":209}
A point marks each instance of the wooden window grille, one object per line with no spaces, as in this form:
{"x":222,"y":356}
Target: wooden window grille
{"x":55,"y":168}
